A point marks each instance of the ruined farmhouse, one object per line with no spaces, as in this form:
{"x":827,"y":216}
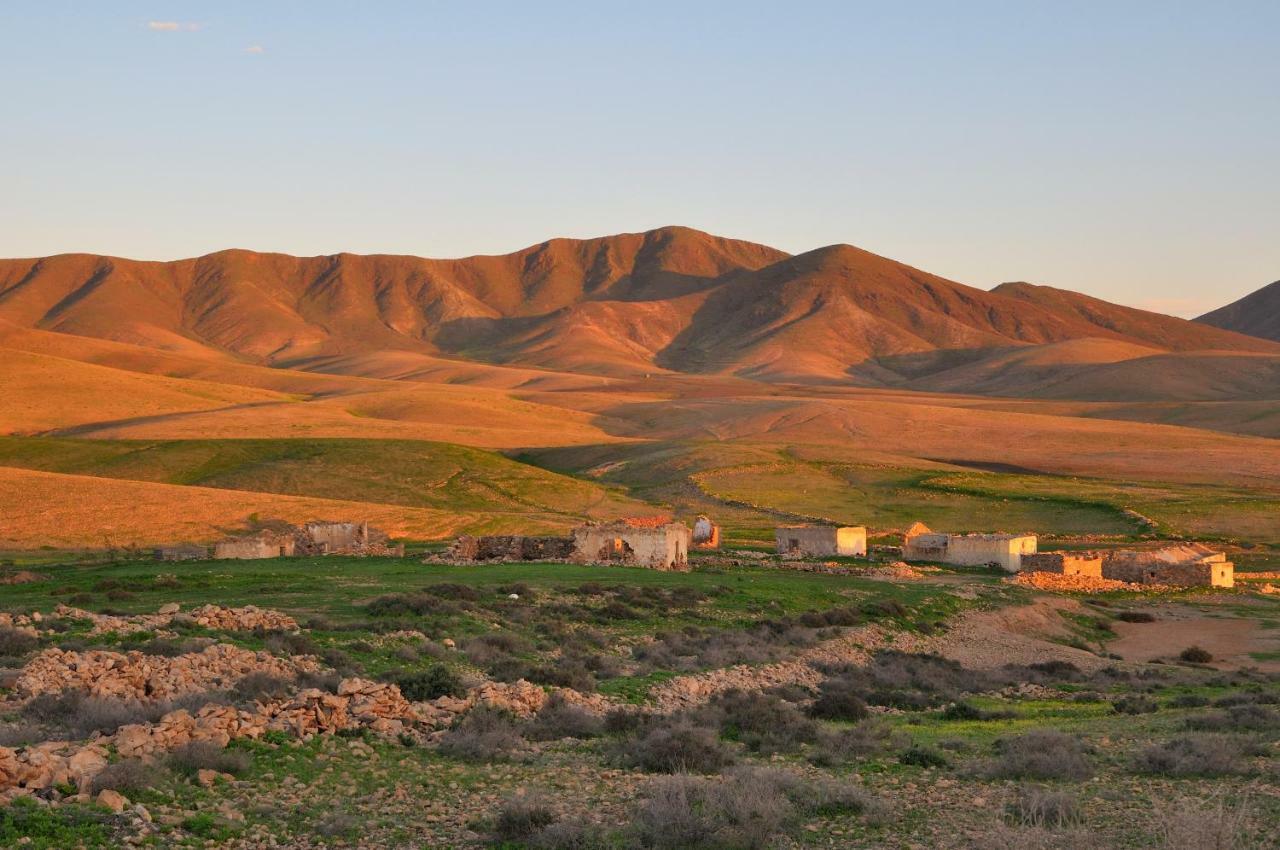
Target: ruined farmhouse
{"x":1182,"y":564}
{"x":656,"y":543}
{"x":181,"y":552}
{"x":1006,"y":551}
{"x":659,"y":544}
{"x":821,"y":541}
{"x":314,"y":538}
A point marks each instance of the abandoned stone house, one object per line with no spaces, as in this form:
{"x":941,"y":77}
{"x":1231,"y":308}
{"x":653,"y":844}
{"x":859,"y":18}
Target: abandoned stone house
{"x":655,"y":543}
{"x":659,"y":544}
{"x":821,"y":541}
{"x":341,"y":538}
{"x":1183,"y":564}
{"x":181,"y":552}
{"x":706,"y":534}
{"x":1064,"y":563}
{"x":920,"y":543}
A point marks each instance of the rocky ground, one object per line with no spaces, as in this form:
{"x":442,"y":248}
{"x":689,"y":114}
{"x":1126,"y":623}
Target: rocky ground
{"x":560,"y":706}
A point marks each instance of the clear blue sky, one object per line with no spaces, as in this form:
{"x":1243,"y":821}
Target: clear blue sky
{"x":1126,"y":149}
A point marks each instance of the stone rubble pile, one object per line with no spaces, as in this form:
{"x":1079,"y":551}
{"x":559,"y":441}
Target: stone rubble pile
{"x":134,"y":675}
{"x":244,"y":619}
{"x":359,"y":703}
{"x":1081,"y":584}
{"x":520,"y":698}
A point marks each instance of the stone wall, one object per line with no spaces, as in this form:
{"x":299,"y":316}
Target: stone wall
{"x":821,"y":541}
{"x":1155,"y":567}
{"x":511,"y":547}
{"x":1064,"y":563}
{"x":660,"y":547}
{"x":251,"y":548}
{"x":181,"y":553}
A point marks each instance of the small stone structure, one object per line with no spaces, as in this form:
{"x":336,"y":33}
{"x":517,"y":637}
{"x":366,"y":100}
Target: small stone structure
{"x":253,"y":548}
{"x":182,"y":552}
{"x":706,"y":534}
{"x":821,"y":541}
{"x":1064,"y":563}
{"x":314,"y":538}
{"x":658,"y":543}
{"x":1183,"y":564}
{"x":511,"y":547}
{"x":920,"y":543}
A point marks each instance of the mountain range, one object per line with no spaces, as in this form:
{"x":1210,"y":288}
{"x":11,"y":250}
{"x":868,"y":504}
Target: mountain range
{"x":667,"y":301}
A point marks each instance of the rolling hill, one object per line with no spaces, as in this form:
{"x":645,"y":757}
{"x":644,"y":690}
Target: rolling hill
{"x":1256,"y":314}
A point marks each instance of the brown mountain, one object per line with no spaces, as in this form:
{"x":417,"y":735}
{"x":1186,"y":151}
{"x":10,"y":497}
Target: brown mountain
{"x":670,"y":299}
{"x":1256,"y":314}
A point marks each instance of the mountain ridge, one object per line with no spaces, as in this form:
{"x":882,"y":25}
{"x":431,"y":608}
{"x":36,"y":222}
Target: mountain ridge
{"x":672,"y":299}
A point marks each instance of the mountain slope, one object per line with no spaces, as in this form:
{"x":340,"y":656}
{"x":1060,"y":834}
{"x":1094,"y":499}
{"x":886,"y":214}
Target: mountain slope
{"x":671,"y":299}
{"x":1256,"y":314}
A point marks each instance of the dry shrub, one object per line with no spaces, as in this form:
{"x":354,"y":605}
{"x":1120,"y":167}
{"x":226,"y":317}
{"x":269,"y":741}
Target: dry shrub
{"x":1196,"y":655}
{"x":521,"y":817}
{"x":763,"y":722}
{"x":746,"y":809}
{"x":262,"y":687}
{"x":1040,"y":754}
{"x":483,"y":734}
{"x":15,"y":643}
{"x":1193,"y":755}
{"x":19,"y":733}
{"x":840,"y":746}
{"x":1136,"y":617}
{"x":562,"y":719}
{"x":1212,"y":825}
{"x":682,"y":812}
{"x":128,"y":777}
{"x":677,"y":746}
{"x":1044,"y":808}
{"x":191,"y":758}
{"x":1134,"y":704}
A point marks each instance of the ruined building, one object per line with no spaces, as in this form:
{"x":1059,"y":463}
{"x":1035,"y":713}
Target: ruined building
{"x":314,"y":538}
{"x":706,"y":534}
{"x":510,"y":547}
{"x":1183,"y":564}
{"x":1064,"y":563}
{"x":821,"y":541}
{"x":967,"y":550}
{"x":659,"y":544}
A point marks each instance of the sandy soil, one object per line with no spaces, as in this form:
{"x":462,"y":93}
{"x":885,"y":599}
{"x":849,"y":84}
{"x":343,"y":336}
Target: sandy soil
{"x":1229,"y":639}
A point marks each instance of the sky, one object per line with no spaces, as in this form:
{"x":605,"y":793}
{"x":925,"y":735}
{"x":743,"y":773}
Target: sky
{"x":1129,"y":150}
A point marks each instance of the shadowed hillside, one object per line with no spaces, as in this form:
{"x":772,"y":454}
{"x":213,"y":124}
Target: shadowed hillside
{"x":1256,"y":314}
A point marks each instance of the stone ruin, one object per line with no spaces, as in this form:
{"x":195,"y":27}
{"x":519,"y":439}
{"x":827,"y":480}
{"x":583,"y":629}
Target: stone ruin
{"x":656,"y":543}
{"x":182,"y":552}
{"x":1177,"y":565}
{"x":1064,"y":563}
{"x":510,"y":547}
{"x":1006,"y":551}
{"x":820,"y":541}
{"x":313,"y":538}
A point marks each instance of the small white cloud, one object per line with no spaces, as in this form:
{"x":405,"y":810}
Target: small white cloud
{"x":173,"y":26}
{"x":255,"y":49}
